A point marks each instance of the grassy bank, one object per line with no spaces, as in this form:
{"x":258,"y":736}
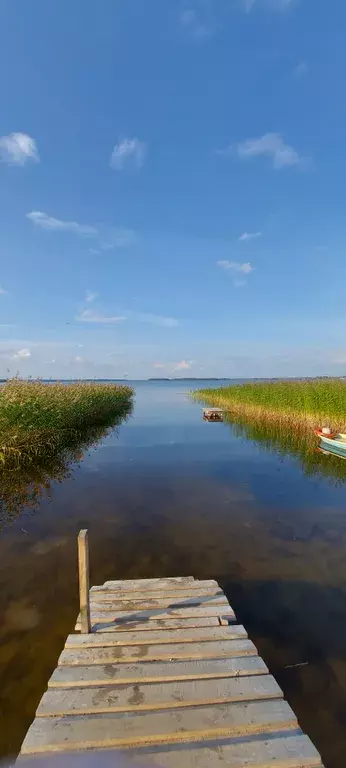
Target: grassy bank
{"x":39,"y":419}
{"x":299,"y":404}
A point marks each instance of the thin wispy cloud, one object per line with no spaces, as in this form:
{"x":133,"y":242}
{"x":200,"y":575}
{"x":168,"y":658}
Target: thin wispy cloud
{"x":18,"y":149}
{"x":90,"y":296}
{"x":183,"y":365}
{"x":89,"y":316}
{"x":165,"y":322}
{"x":270,"y":145}
{"x":128,"y":153}
{"x":160,"y":366}
{"x":238,"y":270}
{"x":190,"y":20}
{"x":44,"y":221}
{"x":235,"y":266}
{"x":249,"y":236}
{"x":2,"y":291}
{"x":22,"y":354}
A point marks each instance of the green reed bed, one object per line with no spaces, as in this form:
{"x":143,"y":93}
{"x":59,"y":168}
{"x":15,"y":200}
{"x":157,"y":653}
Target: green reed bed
{"x":38,"y":419}
{"x":304,"y":403}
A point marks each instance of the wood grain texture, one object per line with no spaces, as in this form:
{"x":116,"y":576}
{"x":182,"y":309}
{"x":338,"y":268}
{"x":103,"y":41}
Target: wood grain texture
{"x":292,"y":751}
{"x":158,"y":696}
{"x":146,"y":653}
{"x":109,"y":674}
{"x":83,"y":570}
{"x":50,"y":734}
{"x":100,"y":616}
{"x":157,"y":624}
{"x":174,"y":603}
{"x":195,"y":635}
{"x":165,"y":594}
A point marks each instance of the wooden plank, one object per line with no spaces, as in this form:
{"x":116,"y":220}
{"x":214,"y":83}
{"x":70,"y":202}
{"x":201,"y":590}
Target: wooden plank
{"x":108,"y":674}
{"x":160,"y":624}
{"x":145,"y":653}
{"x":83,"y":569}
{"x":164,"y":594}
{"x":292,"y":751}
{"x":101,"y":616}
{"x":155,"y":584}
{"x":138,"y":604}
{"x":50,"y":734}
{"x":197,"y":635}
{"x":181,"y":693}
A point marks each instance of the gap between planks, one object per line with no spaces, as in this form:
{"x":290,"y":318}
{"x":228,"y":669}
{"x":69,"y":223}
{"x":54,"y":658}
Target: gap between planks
{"x":157,"y":696}
{"x":50,"y":734}
{"x":111,"y":674}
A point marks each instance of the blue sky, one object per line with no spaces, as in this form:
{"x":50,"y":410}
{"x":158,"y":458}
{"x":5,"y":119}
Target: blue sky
{"x":172,"y":195}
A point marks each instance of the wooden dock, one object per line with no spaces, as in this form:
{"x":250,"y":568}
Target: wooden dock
{"x":166,"y":675}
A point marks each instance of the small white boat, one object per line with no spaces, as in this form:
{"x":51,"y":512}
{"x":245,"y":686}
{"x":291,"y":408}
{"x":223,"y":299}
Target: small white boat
{"x":332,"y":440}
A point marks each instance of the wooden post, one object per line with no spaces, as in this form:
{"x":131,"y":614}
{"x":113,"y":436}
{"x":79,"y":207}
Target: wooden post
{"x":83,"y":567}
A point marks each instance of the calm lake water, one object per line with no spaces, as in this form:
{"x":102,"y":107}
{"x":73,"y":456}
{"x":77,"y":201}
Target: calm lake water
{"x":169,"y":494}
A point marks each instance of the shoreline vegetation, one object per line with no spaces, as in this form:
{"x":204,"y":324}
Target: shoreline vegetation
{"x":300,"y":405}
{"x":39,"y":420}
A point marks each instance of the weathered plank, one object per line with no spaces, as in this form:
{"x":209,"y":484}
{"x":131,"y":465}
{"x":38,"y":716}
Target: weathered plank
{"x":159,"y":624}
{"x":50,"y":734}
{"x":182,"y":693}
{"x":292,"y":751}
{"x":144,"y":604}
{"x":144,"y":653}
{"x":164,"y":594}
{"x":171,"y":581}
{"x":100,"y":616}
{"x":108,"y":674}
{"x":83,"y":569}
{"x":196,"y":635}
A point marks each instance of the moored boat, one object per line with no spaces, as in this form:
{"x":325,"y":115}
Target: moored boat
{"x":332,"y":439}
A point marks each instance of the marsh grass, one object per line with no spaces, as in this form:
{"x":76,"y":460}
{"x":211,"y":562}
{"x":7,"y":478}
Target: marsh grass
{"x":38,"y":420}
{"x":297,"y":405}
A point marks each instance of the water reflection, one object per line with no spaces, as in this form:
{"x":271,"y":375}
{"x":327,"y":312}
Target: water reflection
{"x":27,"y":485}
{"x":299,"y":444}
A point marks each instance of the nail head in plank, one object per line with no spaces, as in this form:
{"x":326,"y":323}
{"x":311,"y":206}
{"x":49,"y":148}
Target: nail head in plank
{"x":192,"y":724}
{"x":109,"y":674}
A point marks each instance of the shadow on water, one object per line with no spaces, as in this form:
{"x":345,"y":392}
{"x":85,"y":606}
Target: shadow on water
{"x":26,"y":485}
{"x":301,"y":445}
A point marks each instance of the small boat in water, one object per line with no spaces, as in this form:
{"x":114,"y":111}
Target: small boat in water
{"x":331,"y":439}
{"x":213,"y":414}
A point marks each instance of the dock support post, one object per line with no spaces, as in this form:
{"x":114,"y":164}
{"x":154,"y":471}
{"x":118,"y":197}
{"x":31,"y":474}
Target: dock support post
{"x":83,"y":567}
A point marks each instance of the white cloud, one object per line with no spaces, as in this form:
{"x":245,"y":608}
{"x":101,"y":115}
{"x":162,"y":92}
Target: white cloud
{"x":44,"y":221}
{"x":90,"y":296}
{"x":89,"y":316}
{"x":18,"y":148}
{"x":166,"y":322}
{"x":271,"y":145}
{"x":22,"y":354}
{"x":190,"y":20}
{"x":128,"y":152}
{"x":78,"y":359}
{"x":249,"y":236}
{"x":236,"y":266}
{"x":184,"y":365}
{"x":159,"y":365}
